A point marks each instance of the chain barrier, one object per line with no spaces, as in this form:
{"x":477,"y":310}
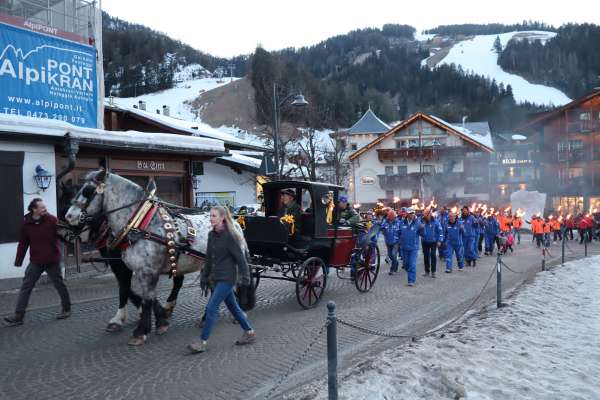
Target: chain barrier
{"x":372,"y":331}
{"x":296,"y":362}
{"x":510,"y":269}
{"x":569,"y":248}
{"x":415,"y":336}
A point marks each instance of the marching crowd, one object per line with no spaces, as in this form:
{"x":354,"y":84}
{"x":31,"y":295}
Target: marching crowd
{"x":461,"y":236}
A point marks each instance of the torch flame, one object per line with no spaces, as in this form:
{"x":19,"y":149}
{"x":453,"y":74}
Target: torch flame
{"x":414,"y":201}
{"x":356,"y":205}
{"x":396,"y":199}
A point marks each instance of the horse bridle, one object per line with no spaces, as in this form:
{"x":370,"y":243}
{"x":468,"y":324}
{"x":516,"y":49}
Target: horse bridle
{"x":84,"y":218}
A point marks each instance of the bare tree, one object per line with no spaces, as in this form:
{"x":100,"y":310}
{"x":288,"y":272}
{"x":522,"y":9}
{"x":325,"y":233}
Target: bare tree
{"x":311,"y":152}
{"x":337,"y":159}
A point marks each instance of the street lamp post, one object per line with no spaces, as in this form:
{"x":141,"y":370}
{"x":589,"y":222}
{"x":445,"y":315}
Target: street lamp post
{"x":299,"y":101}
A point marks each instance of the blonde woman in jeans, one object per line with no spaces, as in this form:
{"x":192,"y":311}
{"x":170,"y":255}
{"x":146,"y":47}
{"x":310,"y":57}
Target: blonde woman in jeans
{"x":225,"y":267}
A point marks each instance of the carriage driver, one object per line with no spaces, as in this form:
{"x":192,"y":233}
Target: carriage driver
{"x":290,"y":207}
{"x":347,"y":215}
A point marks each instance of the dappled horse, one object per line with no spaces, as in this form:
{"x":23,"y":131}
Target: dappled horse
{"x":152,"y":239}
{"x":96,"y":232}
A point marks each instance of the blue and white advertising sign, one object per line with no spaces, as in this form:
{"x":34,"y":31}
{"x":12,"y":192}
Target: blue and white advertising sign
{"x":42,"y":76}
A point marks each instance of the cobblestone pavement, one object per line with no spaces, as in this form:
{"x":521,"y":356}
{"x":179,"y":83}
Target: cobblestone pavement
{"x":76,"y":359}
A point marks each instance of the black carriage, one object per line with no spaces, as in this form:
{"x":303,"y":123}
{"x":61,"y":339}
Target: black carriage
{"x":303,"y":251}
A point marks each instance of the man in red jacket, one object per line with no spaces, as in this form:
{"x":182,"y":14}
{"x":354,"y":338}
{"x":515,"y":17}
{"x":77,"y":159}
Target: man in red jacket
{"x":38,"y":233}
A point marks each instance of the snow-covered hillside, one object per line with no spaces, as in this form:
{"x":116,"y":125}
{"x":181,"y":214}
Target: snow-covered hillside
{"x":177,"y":98}
{"x":477,"y":55}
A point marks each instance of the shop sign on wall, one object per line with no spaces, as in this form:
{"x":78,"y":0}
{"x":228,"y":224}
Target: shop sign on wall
{"x":150,"y":165}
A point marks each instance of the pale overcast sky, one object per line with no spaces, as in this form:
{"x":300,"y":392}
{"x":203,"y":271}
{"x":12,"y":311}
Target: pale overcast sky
{"x":235,"y":27}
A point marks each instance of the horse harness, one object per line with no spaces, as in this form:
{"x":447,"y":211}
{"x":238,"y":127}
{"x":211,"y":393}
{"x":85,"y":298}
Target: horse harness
{"x":136,"y":227}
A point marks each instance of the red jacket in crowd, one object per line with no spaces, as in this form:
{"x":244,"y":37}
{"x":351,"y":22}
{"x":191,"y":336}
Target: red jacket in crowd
{"x":585,"y":222}
{"x":41,"y":238}
{"x":570,"y":223}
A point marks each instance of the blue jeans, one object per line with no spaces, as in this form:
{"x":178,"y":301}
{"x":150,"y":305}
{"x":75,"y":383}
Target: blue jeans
{"x":223,"y":292}
{"x":517,"y":234}
{"x":409,"y":261}
{"x":392,"y":251}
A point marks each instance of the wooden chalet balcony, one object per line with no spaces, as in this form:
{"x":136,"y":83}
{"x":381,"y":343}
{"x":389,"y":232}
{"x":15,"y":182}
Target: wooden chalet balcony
{"x":427,"y":153}
{"x":395,"y":181}
{"x":583,"y":127}
{"x":577,"y":155}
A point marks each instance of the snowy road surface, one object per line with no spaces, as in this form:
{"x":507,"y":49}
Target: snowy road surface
{"x":545,"y":345}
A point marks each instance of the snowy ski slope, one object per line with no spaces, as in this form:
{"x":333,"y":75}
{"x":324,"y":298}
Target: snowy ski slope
{"x":477,"y":56}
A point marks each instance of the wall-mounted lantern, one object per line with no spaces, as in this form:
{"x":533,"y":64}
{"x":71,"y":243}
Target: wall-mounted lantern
{"x":42,"y":178}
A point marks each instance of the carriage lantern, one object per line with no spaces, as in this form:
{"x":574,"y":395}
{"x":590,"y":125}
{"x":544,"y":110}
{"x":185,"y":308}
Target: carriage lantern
{"x":42,"y":178}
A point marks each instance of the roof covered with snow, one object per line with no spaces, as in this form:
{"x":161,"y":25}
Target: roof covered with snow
{"x":133,"y":140}
{"x":368,"y":123}
{"x":195,"y":128}
{"x":241,"y":161}
{"x":478,"y":131}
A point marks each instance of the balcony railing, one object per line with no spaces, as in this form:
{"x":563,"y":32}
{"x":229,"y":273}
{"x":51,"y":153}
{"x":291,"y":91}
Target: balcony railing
{"x":425,"y":153}
{"x":527,"y":179}
{"x":575,"y":155}
{"x":395,"y":181}
{"x":583,"y":127}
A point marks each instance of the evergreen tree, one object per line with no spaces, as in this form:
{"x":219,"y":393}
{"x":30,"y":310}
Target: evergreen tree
{"x":497,"y":45}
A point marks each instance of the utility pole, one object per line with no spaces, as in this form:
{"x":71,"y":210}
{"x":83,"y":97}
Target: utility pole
{"x":421,"y":191}
{"x":231,"y":69}
{"x":276,"y":131}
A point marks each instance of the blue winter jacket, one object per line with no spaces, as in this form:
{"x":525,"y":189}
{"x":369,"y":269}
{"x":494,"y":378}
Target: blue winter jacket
{"x":409,"y":235}
{"x":432,"y":231}
{"x":454,"y":233}
{"x":443,"y":220}
{"x":391,"y":231}
{"x":470,"y":226}
{"x":492,"y":228}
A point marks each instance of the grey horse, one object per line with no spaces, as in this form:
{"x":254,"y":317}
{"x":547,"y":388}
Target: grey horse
{"x":110,"y":196}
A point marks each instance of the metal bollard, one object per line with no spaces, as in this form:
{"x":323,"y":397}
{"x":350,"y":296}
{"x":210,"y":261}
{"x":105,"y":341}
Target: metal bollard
{"x":543,"y":259}
{"x":498,"y":281}
{"x":563,"y":247}
{"x":332,"y":352}
{"x":585,"y":246}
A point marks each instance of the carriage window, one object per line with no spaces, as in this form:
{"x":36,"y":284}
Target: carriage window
{"x":306,"y":201}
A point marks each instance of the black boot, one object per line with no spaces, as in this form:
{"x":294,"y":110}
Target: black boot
{"x":15,"y":320}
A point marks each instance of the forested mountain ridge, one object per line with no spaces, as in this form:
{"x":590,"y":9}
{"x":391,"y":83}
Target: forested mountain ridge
{"x":382,"y":68}
{"x":570,"y":61}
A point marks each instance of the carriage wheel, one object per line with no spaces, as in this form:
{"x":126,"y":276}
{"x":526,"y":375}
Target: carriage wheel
{"x":311,"y":282}
{"x":368,"y":268}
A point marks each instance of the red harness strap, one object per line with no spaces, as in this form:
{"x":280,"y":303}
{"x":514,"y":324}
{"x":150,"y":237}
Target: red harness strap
{"x":142,"y":226}
{"x":148,"y":217}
